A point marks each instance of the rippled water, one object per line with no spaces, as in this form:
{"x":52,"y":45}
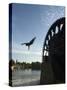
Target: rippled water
{"x":25,"y":77}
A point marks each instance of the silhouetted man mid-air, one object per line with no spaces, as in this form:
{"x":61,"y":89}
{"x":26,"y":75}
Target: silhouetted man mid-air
{"x":29,"y":43}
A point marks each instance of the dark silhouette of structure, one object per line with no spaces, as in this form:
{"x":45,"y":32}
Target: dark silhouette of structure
{"x":11,"y":62}
{"x":53,"y":56}
{"x":29,"y":43}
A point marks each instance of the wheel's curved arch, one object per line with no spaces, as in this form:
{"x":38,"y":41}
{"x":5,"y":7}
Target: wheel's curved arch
{"x":55,"y":28}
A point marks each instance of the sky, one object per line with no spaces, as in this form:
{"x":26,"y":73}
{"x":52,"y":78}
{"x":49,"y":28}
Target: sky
{"x":30,"y":21}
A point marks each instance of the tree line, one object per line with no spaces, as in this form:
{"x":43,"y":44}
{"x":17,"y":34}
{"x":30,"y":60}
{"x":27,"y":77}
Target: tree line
{"x":24,"y":65}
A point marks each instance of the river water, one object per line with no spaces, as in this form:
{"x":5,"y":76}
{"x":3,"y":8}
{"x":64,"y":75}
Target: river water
{"x":25,"y":77}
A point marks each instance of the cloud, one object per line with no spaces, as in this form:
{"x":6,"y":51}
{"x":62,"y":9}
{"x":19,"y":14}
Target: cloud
{"x":27,"y":52}
{"x":27,"y":56}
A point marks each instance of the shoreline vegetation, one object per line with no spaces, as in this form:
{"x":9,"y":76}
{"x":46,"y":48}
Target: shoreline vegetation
{"x":23,"y":65}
